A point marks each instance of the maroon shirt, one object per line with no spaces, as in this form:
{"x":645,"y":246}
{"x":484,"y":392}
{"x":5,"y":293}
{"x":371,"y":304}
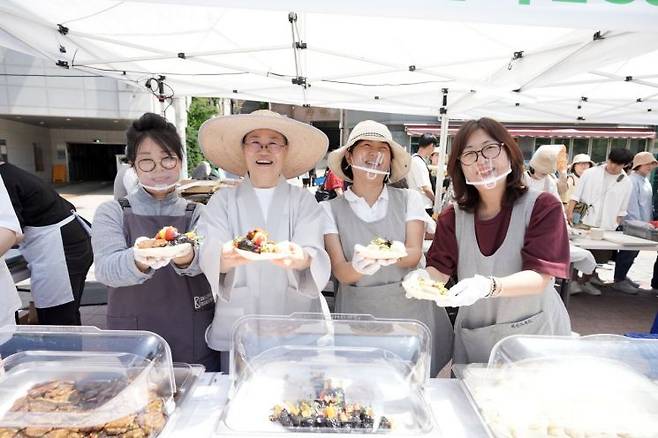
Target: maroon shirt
{"x":545,"y":245}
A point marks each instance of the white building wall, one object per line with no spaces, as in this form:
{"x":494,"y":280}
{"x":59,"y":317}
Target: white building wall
{"x":21,"y":139}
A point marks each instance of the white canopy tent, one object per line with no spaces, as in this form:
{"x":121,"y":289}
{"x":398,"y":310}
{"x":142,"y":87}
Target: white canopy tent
{"x":542,"y":61}
{"x":373,"y":55}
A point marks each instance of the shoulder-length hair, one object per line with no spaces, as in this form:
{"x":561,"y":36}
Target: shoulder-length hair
{"x":466,"y":195}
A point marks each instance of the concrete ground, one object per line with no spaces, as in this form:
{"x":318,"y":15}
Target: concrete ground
{"x":612,"y":312}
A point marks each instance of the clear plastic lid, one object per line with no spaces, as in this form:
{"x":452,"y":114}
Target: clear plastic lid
{"x":304,"y":373}
{"x":84,"y":379}
{"x":601,"y":385}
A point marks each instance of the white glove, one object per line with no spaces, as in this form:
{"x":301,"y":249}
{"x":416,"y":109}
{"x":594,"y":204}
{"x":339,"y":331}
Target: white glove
{"x":466,"y":292}
{"x":151,"y":262}
{"x":387,"y":262}
{"x":415,"y":274}
{"x":364,"y":265}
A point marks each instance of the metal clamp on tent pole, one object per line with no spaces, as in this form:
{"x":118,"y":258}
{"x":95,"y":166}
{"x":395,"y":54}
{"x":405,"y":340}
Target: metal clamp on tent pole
{"x":297,"y":45}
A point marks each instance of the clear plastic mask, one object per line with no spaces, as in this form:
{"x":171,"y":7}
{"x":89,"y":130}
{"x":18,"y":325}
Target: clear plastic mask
{"x":487,"y":174}
{"x":372,"y":163}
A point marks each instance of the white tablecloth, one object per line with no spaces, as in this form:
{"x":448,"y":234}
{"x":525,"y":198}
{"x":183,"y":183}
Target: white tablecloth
{"x":199,"y":414}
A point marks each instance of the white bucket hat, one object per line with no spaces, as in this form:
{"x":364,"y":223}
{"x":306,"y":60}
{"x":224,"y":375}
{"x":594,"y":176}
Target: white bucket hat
{"x":374,"y":131}
{"x":582,"y":158}
{"x":221,"y":141}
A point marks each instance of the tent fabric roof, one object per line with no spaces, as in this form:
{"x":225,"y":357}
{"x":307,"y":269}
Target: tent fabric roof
{"x":357,"y":57}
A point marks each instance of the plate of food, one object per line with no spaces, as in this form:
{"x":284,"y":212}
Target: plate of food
{"x":256,"y":245}
{"x":383,"y":249}
{"x":424,"y":288}
{"x":167,"y":243}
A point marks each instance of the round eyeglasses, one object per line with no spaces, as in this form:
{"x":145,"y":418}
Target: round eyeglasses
{"x":148,"y":164}
{"x":490,"y":151}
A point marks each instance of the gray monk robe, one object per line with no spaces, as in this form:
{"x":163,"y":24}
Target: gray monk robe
{"x":261,"y":287}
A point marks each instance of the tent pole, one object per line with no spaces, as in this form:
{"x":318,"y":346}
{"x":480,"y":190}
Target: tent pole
{"x":443,"y":149}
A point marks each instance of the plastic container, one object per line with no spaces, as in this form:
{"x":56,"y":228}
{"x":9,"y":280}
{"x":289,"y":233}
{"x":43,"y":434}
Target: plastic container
{"x":381,"y":364}
{"x":84,"y":381}
{"x":641,"y":232}
{"x":602,"y":385}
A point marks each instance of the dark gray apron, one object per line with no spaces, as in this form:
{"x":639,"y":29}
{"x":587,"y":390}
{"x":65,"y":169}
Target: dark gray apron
{"x":177,"y":307}
{"x":381,"y":294}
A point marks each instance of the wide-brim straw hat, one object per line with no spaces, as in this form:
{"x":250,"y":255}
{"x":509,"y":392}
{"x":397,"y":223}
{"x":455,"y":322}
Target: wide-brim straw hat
{"x":373,"y":131}
{"x":643,"y":158}
{"x":221,"y":141}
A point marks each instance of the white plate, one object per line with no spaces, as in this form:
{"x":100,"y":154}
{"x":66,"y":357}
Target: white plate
{"x":249,"y":255}
{"x":168,"y":252}
{"x":397,"y":251}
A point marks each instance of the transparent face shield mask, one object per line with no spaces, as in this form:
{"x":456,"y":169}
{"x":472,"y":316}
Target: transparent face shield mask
{"x":372,"y":164}
{"x":161,"y":186}
{"x":485,"y":174}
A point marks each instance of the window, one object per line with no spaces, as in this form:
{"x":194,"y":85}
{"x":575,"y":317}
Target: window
{"x":599,"y":149}
{"x":617,"y":143}
{"x":637,"y":145}
{"x":527,"y":145}
{"x":580,"y":146}
{"x":541,"y":142}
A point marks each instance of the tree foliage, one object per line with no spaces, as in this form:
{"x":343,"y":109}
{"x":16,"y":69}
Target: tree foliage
{"x":200,"y":110}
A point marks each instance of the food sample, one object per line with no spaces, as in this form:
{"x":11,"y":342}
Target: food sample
{"x":256,"y":241}
{"x":168,"y":236}
{"x":423,"y":288}
{"x":383,"y":249}
{"x":328,"y":410}
{"x":65,"y":397}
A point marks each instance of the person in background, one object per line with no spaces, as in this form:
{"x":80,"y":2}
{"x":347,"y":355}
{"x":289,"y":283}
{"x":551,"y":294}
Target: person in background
{"x":165,"y":295}
{"x":419,"y":175}
{"x":546,"y":160}
{"x":10,"y":234}
{"x":333,"y":182}
{"x":640,"y":208}
{"x":266,"y":148}
{"x":495,"y":240}
{"x":125,"y":181}
{"x":202,"y":171}
{"x":604,"y":191}
{"x":371,"y":208}
{"x":56,"y":245}
{"x":580,"y":164}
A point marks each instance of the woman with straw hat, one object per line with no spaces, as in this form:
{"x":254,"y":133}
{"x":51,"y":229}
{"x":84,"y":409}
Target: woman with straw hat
{"x":371,"y":159}
{"x":266,"y":148}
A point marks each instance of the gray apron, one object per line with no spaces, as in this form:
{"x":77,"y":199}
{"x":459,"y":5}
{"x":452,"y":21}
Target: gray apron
{"x":177,"y":307}
{"x":381,"y":294}
{"x":480,"y":326}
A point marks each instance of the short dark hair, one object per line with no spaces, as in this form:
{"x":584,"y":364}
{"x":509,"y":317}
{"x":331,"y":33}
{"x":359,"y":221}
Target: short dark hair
{"x":426,"y":140}
{"x":347,"y":169}
{"x":620,"y":156}
{"x":158,"y":129}
{"x":467,"y":196}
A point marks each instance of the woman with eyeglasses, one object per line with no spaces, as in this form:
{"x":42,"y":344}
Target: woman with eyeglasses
{"x":371,"y":208}
{"x":170,"y":297}
{"x":504,"y":243}
{"x":266,"y":148}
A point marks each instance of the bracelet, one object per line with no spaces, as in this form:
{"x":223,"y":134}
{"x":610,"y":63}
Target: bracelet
{"x":496,"y":289}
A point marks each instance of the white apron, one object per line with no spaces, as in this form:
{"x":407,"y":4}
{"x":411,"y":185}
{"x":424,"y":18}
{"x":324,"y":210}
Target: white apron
{"x":43,"y":249}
